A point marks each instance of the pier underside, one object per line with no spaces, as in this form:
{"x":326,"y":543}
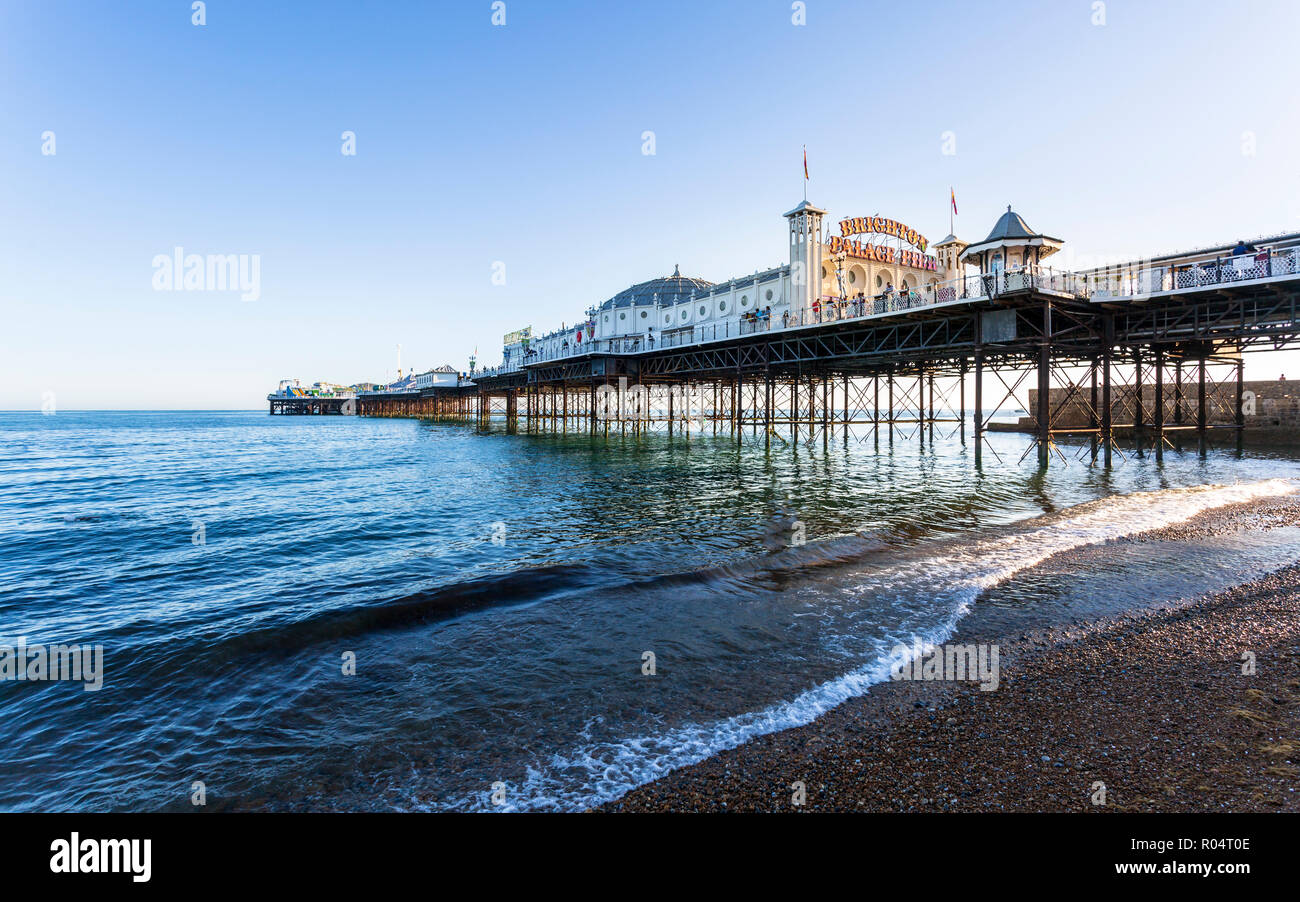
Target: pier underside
{"x":312,"y":406}
{"x":1114,"y":378}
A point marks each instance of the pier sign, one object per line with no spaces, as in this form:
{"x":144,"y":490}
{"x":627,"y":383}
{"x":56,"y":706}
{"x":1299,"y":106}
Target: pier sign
{"x":879,"y":225}
{"x":517,"y":336}
{"x":880,"y":253}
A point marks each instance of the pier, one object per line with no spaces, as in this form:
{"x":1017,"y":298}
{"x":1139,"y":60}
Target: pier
{"x":308,"y":405}
{"x":1158,"y":341}
{"x":322,"y":399}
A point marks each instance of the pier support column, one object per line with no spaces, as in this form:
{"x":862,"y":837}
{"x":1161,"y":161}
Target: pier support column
{"x":826,"y":411}
{"x":979,"y":405}
{"x":846,"y":408}
{"x":875,"y":408}
{"x":920,"y":406}
{"x":794,"y":410}
{"x":1139,"y":415}
{"x":736,"y":397}
{"x":1094,"y":422}
{"x":1202,"y":414}
{"x":767,"y":411}
{"x":1105,"y":406}
{"x":930,"y":378}
{"x":1178,"y":402}
{"x":961,"y":394}
{"x":1043,"y":412}
{"x":890,"y":378}
{"x":1241,"y":412}
{"x":1158,"y":417}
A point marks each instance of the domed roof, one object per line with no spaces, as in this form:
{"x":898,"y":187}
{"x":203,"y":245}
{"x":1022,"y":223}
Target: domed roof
{"x":1010,"y":226}
{"x":1011,"y":231}
{"x":666,"y":290}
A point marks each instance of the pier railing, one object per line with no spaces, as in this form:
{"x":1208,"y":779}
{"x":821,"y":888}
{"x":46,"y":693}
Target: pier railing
{"x":1134,"y":279}
{"x":827,"y":309}
{"x":1142,"y":278}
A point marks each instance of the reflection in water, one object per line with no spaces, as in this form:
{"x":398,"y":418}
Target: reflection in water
{"x":517,"y":660}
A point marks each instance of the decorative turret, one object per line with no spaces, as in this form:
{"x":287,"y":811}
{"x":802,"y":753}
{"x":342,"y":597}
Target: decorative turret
{"x":948,"y":251}
{"x":1011,"y":245}
{"x":805,"y":254}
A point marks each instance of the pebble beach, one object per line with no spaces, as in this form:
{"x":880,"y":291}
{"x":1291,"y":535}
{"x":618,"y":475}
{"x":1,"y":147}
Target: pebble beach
{"x":1187,"y":707}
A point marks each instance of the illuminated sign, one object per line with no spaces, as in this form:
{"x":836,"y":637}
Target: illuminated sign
{"x":517,"y":336}
{"x":879,"y":225}
{"x":880,"y":253}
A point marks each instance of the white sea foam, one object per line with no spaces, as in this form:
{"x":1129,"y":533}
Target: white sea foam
{"x":597,"y":772}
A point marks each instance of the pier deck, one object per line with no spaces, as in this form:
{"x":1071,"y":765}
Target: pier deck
{"x":1153,"y":330}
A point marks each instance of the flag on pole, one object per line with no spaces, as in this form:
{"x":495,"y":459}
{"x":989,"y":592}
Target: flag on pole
{"x":805,"y":162}
{"x":954,"y":200}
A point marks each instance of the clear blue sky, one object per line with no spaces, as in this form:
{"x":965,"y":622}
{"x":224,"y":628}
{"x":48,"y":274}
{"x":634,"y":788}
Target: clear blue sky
{"x":522,"y":144}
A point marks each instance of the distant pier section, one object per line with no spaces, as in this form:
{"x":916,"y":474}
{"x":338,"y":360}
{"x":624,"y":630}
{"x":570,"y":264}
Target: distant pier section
{"x":322,"y":398}
{"x":325,"y":398}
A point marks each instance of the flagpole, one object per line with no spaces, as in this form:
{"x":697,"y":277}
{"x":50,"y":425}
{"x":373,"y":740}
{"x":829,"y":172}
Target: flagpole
{"x":805,"y":173}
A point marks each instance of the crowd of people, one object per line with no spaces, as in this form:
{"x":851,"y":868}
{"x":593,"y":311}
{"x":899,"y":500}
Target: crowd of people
{"x":760,"y":319}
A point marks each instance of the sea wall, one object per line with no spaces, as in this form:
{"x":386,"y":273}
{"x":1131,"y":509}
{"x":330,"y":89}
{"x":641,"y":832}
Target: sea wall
{"x":1266,"y":404}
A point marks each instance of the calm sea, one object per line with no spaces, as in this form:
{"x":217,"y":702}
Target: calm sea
{"x":499,"y":595}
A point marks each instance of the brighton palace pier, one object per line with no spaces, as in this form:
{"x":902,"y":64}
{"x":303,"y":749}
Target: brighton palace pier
{"x":875,"y":331}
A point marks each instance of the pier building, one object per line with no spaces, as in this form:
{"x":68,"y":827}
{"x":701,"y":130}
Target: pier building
{"x":874,"y":330}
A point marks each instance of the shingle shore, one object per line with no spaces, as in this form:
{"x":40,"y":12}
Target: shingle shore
{"x":1154,"y":705}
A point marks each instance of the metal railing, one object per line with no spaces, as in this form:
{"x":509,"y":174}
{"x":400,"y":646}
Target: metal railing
{"x":1140,"y":278}
{"x":1132,"y":279}
{"x":827,"y":309}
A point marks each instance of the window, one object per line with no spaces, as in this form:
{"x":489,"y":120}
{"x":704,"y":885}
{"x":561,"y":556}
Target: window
{"x":622,"y":316}
{"x":668,"y":317}
{"x":703,"y":310}
{"x":722,"y":306}
{"x":769,"y":294}
{"x":644,"y":314}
